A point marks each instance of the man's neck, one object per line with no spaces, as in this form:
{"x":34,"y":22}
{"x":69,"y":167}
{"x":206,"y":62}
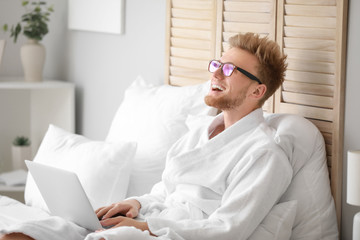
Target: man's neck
{"x":233,"y":115}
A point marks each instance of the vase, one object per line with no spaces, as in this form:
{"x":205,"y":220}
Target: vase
{"x":33,"y":60}
{"x":19,"y":155}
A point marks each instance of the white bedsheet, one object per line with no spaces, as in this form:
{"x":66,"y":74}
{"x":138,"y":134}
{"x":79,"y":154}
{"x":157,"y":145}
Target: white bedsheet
{"x":17,"y":217}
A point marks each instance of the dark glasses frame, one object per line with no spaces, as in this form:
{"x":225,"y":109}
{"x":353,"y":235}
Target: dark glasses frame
{"x":246,"y":73}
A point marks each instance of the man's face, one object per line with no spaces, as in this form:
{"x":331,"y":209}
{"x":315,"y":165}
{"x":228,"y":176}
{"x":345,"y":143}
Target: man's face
{"x":228,"y":93}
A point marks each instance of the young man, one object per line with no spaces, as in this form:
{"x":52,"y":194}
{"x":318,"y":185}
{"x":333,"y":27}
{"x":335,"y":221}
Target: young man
{"x":230,"y":169}
{"x":222,"y":179}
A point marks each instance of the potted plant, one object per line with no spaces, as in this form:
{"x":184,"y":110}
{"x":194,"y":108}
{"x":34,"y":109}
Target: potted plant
{"x":33,"y":25}
{"x":20,"y":151}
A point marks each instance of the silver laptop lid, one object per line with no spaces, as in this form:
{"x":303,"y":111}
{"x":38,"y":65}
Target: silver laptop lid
{"x":64,"y":195}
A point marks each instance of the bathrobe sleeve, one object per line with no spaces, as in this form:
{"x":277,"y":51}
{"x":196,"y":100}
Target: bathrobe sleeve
{"x":252,"y":190}
{"x":156,"y":196}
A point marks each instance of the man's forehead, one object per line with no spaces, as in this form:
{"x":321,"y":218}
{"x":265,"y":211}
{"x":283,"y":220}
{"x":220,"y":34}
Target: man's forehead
{"x":239,"y":57}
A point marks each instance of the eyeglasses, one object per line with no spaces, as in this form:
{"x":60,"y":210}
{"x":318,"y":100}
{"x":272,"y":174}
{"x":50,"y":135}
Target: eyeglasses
{"x":228,"y":69}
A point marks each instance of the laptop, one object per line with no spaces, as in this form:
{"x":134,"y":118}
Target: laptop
{"x":64,"y":195}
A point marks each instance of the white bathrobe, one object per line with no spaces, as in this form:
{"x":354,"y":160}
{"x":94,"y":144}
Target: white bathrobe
{"x":211,"y":189}
{"x":220,"y":188}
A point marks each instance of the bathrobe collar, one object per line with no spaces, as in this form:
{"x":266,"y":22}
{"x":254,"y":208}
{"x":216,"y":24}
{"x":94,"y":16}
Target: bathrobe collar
{"x":250,"y":121}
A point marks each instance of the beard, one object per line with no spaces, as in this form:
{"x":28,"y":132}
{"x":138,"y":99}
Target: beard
{"x":225,"y":102}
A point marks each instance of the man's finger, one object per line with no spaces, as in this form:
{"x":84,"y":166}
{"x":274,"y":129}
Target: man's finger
{"x":102,"y":211}
{"x":112,"y":221}
{"x":116,"y":210}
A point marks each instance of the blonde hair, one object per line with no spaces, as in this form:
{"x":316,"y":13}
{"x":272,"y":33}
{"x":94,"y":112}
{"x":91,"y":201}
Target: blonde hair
{"x":272,"y":63}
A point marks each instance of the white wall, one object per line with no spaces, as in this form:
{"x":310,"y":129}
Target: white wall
{"x":103,"y":65}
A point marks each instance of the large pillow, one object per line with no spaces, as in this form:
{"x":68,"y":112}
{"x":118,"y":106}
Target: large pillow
{"x":154,"y":117}
{"x":103,"y":168}
{"x":310,"y":185}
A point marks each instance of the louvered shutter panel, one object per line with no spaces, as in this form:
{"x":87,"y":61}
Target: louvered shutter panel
{"x":312,"y":33}
{"x":190,"y":40}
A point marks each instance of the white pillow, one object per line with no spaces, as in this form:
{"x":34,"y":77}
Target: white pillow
{"x":310,"y":187}
{"x":277,"y":225}
{"x":154,"y":117}
{"x":103,"y":168}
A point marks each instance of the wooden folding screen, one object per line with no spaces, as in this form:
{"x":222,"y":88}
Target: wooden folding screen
{"x":311,"y":32}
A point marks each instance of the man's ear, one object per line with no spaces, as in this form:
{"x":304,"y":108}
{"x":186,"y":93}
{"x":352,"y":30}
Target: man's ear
{"x":259,"y":91}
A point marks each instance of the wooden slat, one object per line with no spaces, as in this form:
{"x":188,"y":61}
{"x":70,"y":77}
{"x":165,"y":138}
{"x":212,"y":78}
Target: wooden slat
{"x":309,"y":43}
{"x":189,"y":73}
{"x":308,"y":88}
{"x":191,"y":33}
{"x":306,"y":111}
{"x":303,"y":32}
{"x":192,"y":4}
{"x":191,"y":14}
{"x":232,"y":6}
{"x":307,"y":99}
{"x":310,"y":55}
{"x":189,"y":63}
{"x":190,"y":53}
{"x":191,"y":43}
{"x":312,"y":2}
{"x":246,"y":27}
{"x":247,"y":17}
{"x":191,"y":23}
{"x":307,"y":66}
{"x":181,"y":81}
{"x":306,"y":10}
{"x":328,"y":148}
{"x":309,"y":77}
{"x":301,"y":21}
{"x":328,"y":138}
{"x":323,"y":126}
{"x":267,"y":1}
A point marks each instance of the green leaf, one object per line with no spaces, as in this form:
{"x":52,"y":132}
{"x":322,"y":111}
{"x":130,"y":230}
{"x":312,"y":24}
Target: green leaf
{"x":15,"y":32}
{"x":21,"y":141}
{"x":34,"y":20}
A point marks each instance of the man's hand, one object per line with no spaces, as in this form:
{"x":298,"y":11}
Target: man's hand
{"x":125,"y":221}
{"x":129,"y":208}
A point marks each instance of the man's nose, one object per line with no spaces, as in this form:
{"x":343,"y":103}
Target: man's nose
{"x":218,"y":73}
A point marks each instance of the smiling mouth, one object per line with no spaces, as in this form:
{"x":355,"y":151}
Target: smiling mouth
{"x":216,"y":87}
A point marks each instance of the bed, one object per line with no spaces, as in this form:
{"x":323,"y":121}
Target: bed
{"x":307,"y":111}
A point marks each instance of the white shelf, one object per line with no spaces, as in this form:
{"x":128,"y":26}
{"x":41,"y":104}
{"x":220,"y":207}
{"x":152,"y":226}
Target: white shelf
{"x":27,"y":109}
{"x":4,"y":188}
{"x":47,"y":84}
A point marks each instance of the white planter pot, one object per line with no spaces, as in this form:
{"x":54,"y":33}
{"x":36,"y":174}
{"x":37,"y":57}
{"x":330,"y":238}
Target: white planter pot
{"x":33,"y":59}
{"x":19,"y":155}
